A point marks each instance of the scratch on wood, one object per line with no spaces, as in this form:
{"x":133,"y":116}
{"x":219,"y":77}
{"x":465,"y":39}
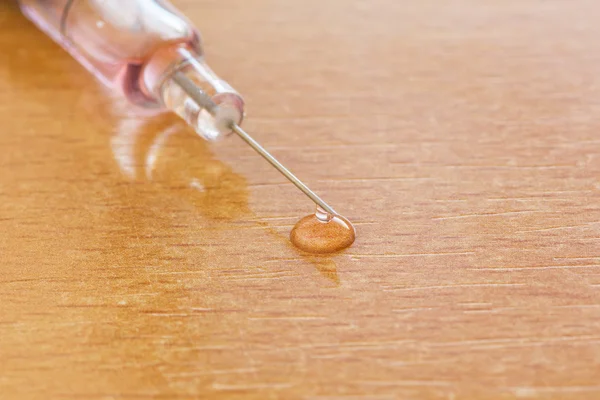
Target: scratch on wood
{"x":464,"y":253}
{"x":291,"y":318}
{"x":534,"y":268}
{"x":270,"y":386}
{"x":409,"y":310}
{"x":517,"y":342}
{"x":510,"y":167}
{"x":261,"y":277}
{"x":408,"y":289}
{"x":358,"y":146}
{"x":554,"y":228}
{"x":212,"y":372}
{"x":389,"y":179}
{"x":406,"y":383}
{"x":531,"y":391}
{"x":486,"y":214}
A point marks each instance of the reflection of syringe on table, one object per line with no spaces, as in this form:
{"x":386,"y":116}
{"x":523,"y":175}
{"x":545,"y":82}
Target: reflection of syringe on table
{"x":159,"y":150}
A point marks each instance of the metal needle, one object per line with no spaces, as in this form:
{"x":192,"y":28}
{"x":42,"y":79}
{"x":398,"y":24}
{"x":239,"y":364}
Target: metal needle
{"x":204,"y":100}
{"x":281,"y":168}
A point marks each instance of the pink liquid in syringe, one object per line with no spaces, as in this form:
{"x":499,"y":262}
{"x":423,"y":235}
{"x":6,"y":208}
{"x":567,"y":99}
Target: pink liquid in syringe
{"x":116,"y":39}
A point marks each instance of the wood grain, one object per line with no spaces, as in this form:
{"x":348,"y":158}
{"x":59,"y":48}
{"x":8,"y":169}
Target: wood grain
{"x":462,"y":137}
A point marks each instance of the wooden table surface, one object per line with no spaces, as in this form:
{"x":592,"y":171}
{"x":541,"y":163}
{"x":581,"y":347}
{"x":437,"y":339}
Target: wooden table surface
{"x":462,"y":137}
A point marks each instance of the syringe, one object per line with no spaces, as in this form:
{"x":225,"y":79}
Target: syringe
{"x":149,"y":52}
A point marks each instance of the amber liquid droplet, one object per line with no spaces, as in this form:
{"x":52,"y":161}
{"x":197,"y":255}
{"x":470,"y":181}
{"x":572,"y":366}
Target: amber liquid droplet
{"x":322,"y":233}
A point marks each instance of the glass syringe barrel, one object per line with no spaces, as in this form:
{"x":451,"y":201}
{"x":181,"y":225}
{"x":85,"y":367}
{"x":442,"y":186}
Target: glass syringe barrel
{"x":135,"y":47}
